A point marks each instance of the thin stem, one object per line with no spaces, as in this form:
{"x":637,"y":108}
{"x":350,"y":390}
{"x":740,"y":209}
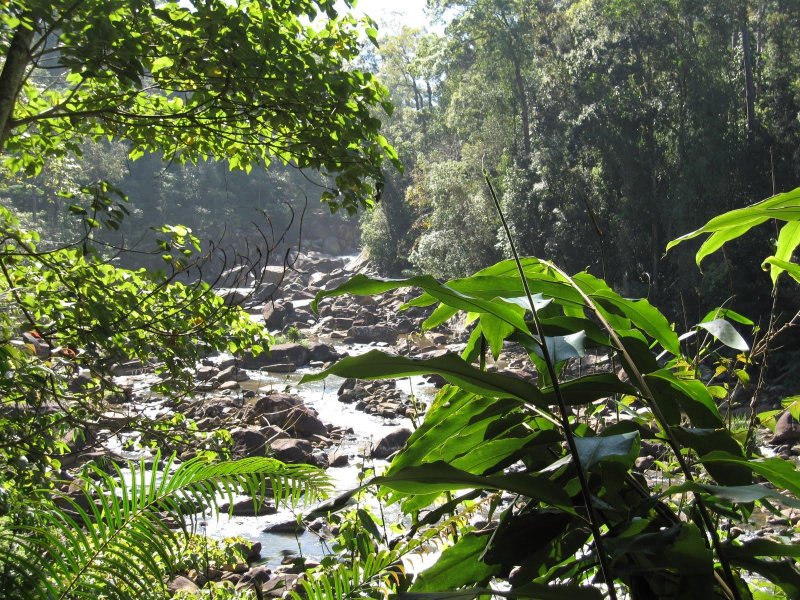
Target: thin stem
{"x":594,"y":523}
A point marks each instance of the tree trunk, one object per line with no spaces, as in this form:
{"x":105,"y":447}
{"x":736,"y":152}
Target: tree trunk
{"x":17,"y":60}
{"x":523,"y":104}
{"x":750,"y":88}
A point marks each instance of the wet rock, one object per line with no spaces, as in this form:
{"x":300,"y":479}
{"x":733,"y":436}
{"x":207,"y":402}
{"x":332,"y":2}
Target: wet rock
{"x":249,"y":441}
{"x":278,"y":315}
{"x":280,"y":368}
{"x":182,"y":584}
{"x":293,"y":451}
{"x":231,"y":373}
{"x":391,"y":443}
{"x":280,"y":584}
{"x":290,"y":526}
{"x":229,"y":385}
{"x":787,"y":429}
{"x":256,"y":576}
{"x":206,"y":372}
{"x":371,"y":334}
{"x":246,"y":508}
{"x":303,"y":422}
{"x":337,"y":458}
{"x":272,"y":408}
{"x":322,"y":352}
{"x":249,"y":551}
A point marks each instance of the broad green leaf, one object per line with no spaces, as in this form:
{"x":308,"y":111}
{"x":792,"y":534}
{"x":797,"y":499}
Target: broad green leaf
{"x":727,"y":313}
{"x":781,"y":473}
{"x":742,"y":494}
{"x":588,"y":388}
{"x":379,"y":365}
{"x":793,"y":269}
{"x":708,"y":441}
{"x":692,"y":396}
{"x":362,"y":285}
{"x":730,"y":225}
{"x":161,"y":63}
{"x":561,"y":347}
{"x":622,"y":448}
{"x":640,"y":312}
{"x":788,"y":240}
{"x":440,"y":477}
{"x":458,"y":565}
{"x":757,"y":546}
{"x":725,"y":333}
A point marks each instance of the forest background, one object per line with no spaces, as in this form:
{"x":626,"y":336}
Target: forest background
{"x":611,"y":128}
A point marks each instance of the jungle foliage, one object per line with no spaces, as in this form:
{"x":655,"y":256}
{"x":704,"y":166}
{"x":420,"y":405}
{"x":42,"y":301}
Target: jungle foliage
{"x":548,"y":461}
{"x":612,"y":126}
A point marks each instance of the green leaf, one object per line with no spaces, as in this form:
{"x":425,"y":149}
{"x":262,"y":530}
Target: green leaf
{"x":622,"y":448}
{"x":735,"y":223}
{"x":440,"y":477}
{"x":589,"y":388}
{"x":379,"y":365}
{"x":742,"y":494}
{"x":458,"y":565}
{"x":641,"y":313}
{"x":692,"y":396}
{"x":788,"y":240}
{"x":725,"y":333}
{"x":161,"y":63}
{"x":793,"y":269}
{"x":709,"y":441}
{"x":781,"y":473}
{"x":361,"y":285}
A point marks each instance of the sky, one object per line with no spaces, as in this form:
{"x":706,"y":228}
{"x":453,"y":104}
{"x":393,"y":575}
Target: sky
{"x":397,"y":12}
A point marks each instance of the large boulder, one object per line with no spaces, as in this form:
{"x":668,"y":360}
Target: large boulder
{"x":293,"y":451}
{"x":295,"y":354}
{"x":248,"y":441}
{"x":271,"y":409}
{"x":303,"y":421}
{"x":787,"y":429}
{"x":277,"y":315}
{"x":391,"y":443}
{"x":322,"y":352}
{"x":363,"y":334}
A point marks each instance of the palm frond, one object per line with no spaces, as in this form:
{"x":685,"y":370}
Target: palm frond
{"x":116,"y":540}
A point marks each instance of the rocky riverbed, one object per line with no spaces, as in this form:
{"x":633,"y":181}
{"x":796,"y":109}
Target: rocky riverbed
{"x":339,"y":425}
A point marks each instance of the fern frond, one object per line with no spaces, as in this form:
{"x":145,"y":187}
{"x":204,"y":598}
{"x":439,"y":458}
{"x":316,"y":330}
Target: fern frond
{"x":120,"y":547}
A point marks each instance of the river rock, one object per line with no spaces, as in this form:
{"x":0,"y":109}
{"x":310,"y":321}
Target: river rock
{"x":277,"y":315}
{"x":271,"y":409}
{"x":246,"y":508}
{"x":303,"y":422}
{"x":787,"y":429}
{"x":256,"y":576}
{"x":293,"y":451}
{"x":322,"y":352}
{"x":290,"y":526}
{"x":371,"y":334}
{"x":249,"y":441}
{"x":182,"y":584}
{"x":391,"y":443}
{"x":232,"y":373}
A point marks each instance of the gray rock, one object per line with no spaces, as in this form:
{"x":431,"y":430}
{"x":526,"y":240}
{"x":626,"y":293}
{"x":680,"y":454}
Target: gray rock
{"x":256,"y":576}
{"x":291,"y":526}
{"x":246,"y":508}
{"x":182,"y":584}
{"x":372,"y":333}
{"x":303,"y":421}
{"x":391,"y":443}
{"x":293,"y":451}
{"x":787,"y":429}
{"x":249,"y":441}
